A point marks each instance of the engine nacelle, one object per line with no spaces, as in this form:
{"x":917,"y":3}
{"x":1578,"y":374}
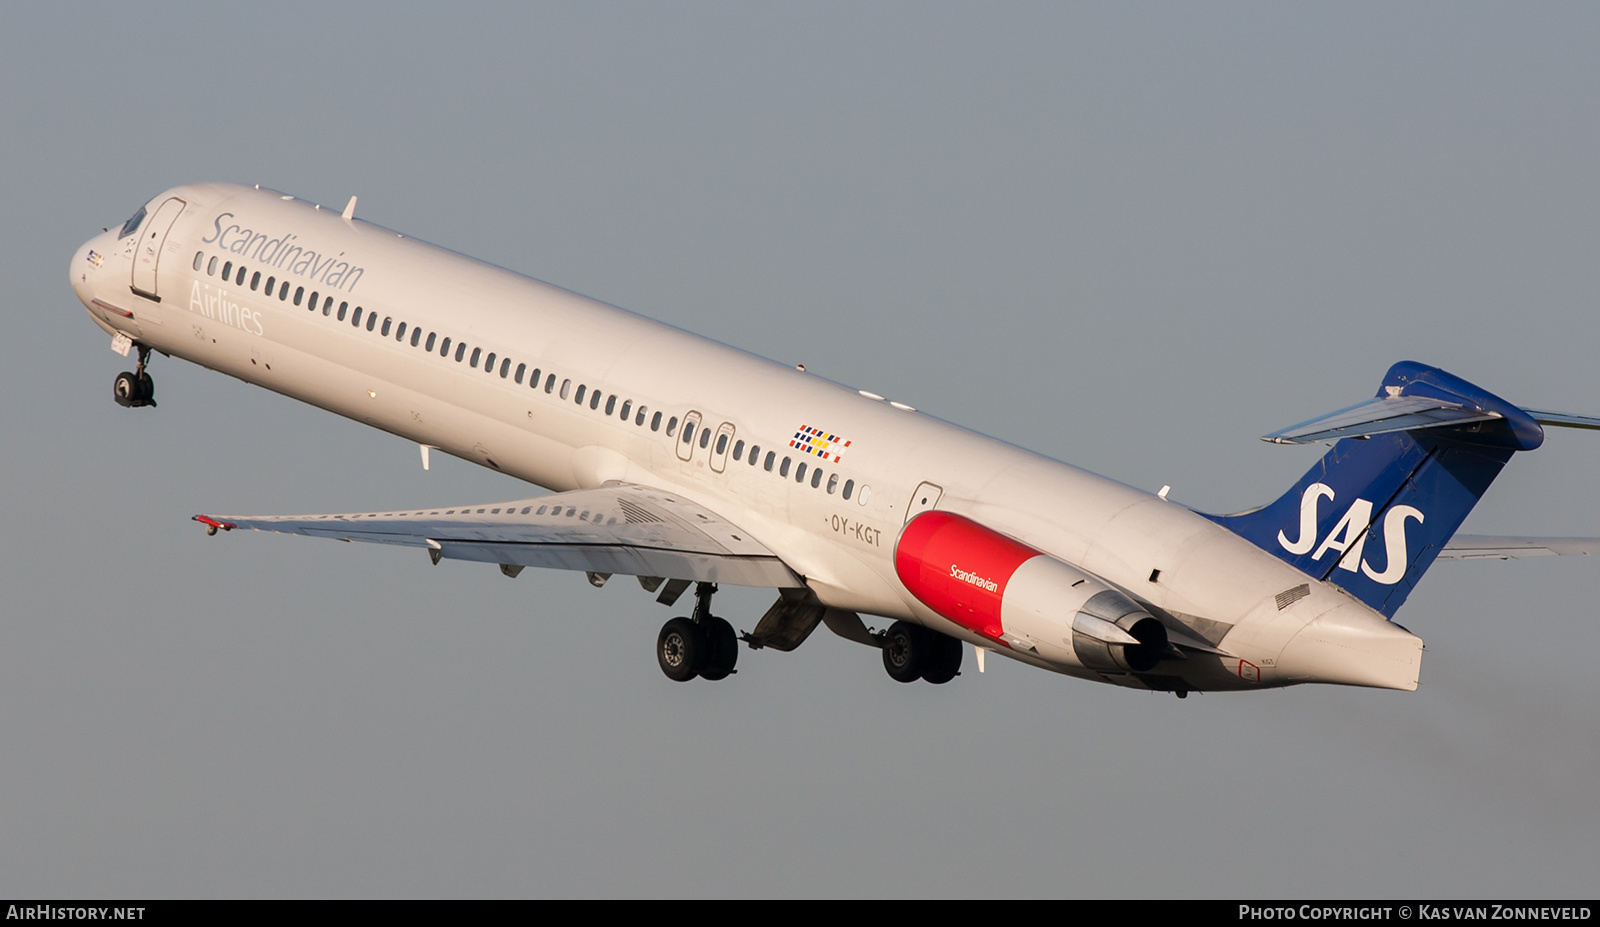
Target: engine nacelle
{"x":1022,"y":598}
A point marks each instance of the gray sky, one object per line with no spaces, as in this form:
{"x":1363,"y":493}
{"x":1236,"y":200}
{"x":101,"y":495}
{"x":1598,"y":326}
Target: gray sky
{"x":1133,"y":237}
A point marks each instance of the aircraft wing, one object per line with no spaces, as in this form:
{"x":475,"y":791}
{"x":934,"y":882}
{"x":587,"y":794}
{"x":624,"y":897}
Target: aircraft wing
{"x":1487,"y":546}
{"x":618,"y":528}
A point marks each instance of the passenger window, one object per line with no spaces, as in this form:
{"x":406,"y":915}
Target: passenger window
{"x":783,"y":468}
{"x":416,"y":336}
{"x":327,"y":304}
{"x":594,"y":400}
{"x":688,"y":432}
{"x":755,"y":454}
{"x":581,"y":390}
{"x":521,"y":369}
{"x":505,"y":368}
{"x":865,"y":491}
{"x":400,"y":333}
{"x":705,"y":437}
{"x":342,"y":308}
{"x":283,"y":290}
{"x":313,"y":303}
{"x":738,"y":450}
{"x":550,"y":383}
{"x":611,"y":405}
{"x":299,"y":294}
{"x":199,"y":258}
{"x":533,"y":381}
{"x":627,"y":410}
{"x":638,"y":418}
{"x":672,"y":424}
{"x":227,"y":270}
{"x":239,"y":280}
{"x":355,"y":318}
{"x":387,"y":321}
{"x":566,"y":386}
{"x":833,"y":482}
{"x":542,"y":509}
{"x":372,"y":319}
{"x":428,"y":345}
{"x":771,"y":456}
{"x":476,"y":353}
{"x":800,"y":472}
{"x":526,"y":509}
{"x":816,"y":478}
{"x":461,"y":351}
{"x":255,"y":280}
{"x":488,"y":363}
{"x":655,"y":422}
{"x":211,"y":267}
{"x":444,"y":347}
{"x":849,"y":486}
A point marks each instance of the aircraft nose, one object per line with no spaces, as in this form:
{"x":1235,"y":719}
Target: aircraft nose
{"x":88,"y":262}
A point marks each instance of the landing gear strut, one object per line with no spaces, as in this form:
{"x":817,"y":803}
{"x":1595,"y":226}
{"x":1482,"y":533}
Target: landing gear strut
{"x":135,"y":389}
{"x":702,"y":645}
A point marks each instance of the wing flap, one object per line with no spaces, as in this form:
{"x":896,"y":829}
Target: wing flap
{"x":618,"y":528}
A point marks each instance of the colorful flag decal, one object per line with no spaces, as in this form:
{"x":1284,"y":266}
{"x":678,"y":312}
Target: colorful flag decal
{"x":819,"y":443}
{"x":96,"y":258}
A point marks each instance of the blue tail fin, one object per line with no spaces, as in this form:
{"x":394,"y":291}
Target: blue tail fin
{"x":1375,"y":511}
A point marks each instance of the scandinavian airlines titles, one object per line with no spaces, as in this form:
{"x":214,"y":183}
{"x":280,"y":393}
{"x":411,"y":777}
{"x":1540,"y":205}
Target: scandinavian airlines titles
{"x":282,"y":253}
{"x":966,"y":576}
{"x":214,"y":303}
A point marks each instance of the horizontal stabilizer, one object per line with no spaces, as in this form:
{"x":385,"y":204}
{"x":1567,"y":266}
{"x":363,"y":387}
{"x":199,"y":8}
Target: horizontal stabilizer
{"x":1492,"y":547}
{"x":618,"y":528}
{"x":1382,"y":416}
{"x":1564,"y":419}
{"x":1405,"y":469}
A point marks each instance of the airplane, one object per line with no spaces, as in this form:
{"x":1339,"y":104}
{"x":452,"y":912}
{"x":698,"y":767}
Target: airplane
{"x":684,"y":462}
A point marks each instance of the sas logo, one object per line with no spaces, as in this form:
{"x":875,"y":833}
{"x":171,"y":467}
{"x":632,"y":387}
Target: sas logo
{"x":1349,"y":536}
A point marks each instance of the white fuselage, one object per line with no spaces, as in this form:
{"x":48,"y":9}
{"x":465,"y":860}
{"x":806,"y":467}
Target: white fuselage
{"x":1217,"y":584}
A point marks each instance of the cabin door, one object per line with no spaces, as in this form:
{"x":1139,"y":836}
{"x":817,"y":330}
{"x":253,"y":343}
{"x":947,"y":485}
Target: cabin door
{"x":147,"y":254}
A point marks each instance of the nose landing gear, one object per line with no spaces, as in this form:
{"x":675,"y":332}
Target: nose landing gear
{"x":703,"y":645}
{"x":135,"y":389}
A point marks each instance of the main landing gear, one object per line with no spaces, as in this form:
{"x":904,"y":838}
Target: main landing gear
{"x":702,"y":645}
{"x":912,"y":652}
{"x":132,"y":390}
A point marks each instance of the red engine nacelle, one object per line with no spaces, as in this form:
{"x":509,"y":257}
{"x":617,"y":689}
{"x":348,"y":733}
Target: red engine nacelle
{"x":1022,"y":598}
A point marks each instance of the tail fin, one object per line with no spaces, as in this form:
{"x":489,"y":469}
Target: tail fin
{"x":1411,"y":464}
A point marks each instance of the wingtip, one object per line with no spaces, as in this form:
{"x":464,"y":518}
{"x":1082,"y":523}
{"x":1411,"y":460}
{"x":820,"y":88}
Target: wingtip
{"x":212,"y":524}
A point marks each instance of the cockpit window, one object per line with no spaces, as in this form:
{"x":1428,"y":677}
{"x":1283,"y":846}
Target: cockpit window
{"x":132,"y":225}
